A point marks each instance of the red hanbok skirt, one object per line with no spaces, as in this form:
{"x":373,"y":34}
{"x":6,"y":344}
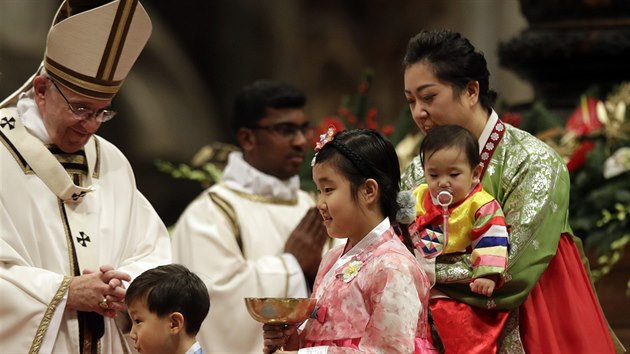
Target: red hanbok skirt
{"x":561,"y":314}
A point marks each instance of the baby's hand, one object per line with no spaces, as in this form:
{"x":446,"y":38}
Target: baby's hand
{"x":483,"y":286}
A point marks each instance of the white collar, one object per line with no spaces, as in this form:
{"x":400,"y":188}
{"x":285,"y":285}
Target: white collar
{"x":194,"y":348}
{"x":485,"y":134}
{"x":32,"y":119}
{"x":372,"y":237}
{"x":242,"y":176}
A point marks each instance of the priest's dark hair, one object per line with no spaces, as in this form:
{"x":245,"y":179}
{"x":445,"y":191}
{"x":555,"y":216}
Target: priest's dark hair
{"x":252,"y":102}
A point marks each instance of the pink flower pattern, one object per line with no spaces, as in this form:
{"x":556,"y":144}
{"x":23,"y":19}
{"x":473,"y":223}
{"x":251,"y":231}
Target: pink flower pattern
{"x":380,"y":309}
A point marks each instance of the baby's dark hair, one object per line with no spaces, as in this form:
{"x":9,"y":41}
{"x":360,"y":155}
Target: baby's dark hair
{"x":251,"y":103}
{"x":453,"y":59}
{"x":172,"y":288}
{"x":360,"y":154}
{"x":449,"y":136}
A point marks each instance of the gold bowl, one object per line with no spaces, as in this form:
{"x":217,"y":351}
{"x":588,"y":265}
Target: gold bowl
{"x":280,"y":310}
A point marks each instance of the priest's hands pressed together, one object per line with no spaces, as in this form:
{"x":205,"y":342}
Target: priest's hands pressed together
{"x":306,"y":243}
{"x":99,"y":291}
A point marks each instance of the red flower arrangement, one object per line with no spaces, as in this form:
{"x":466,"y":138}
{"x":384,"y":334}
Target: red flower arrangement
{"x":357,"y":112}
{"x":512,"y":118}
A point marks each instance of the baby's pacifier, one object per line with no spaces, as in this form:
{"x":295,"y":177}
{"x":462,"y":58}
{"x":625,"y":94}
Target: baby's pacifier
{"x":444,"y":198}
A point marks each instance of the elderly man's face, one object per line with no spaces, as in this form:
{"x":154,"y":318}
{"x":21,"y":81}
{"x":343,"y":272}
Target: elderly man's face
{"x":64,"y":129}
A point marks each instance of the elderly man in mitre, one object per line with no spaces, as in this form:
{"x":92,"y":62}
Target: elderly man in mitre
{"x":74,"y":229}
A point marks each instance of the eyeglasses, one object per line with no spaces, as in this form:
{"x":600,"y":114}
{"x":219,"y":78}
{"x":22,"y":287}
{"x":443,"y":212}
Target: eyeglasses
{"x":287,"y":130}
{"x":82,"y":113}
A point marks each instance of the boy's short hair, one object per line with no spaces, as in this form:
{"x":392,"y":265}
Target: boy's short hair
{"x":172,"y":288}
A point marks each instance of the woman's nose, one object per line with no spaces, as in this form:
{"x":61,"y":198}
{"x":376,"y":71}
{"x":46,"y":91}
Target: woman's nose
{"x":419,"y":113}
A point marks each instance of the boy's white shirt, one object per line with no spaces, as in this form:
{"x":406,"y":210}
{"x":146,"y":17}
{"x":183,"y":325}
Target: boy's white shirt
{"x":196,"y":346}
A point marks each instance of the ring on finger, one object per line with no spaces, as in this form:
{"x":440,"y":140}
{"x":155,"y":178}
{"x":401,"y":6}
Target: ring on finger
{"x":103,"y":304}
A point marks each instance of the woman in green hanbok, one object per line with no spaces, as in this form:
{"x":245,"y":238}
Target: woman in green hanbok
{"x":551,"y":302}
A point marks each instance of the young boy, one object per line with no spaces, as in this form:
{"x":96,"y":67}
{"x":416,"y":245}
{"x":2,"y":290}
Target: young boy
{"x":167,"y":305}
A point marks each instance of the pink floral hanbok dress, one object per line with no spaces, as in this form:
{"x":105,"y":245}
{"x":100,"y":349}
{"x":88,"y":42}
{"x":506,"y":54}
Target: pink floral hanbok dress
{"x":371,"y":299}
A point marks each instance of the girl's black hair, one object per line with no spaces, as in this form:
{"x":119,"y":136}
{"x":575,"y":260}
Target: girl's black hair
{"x":453,"y":60}
{"x":360,"y":154}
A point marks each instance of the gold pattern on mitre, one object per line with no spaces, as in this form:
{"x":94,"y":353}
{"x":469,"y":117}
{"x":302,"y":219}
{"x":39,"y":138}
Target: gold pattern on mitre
{"x":91,"y":52}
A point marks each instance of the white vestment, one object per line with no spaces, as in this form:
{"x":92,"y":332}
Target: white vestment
{"x":233,"y":237}
{"x":38,"y":232}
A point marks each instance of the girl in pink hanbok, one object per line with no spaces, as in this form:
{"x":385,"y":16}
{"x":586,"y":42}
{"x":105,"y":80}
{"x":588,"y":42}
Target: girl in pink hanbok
{"x":372,"y":295}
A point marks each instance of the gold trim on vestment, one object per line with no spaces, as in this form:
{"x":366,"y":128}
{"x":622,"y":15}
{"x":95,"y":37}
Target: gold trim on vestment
{"x":122,"y":338}
{"x":93,"y":88}
{"x":66,"y":229}
{"x":74,"y":158}
{"x":21,"y":161}
{"x":45,"y":323}
{"x":99,"y":346}
{"x":261,"y":198}
{"x":74,"y":163}
{"x":287,"y":276}
{"x":116,"y":40}
{"x":231,"y":217}
{"x":78,"y":158}
{"x":97,"y":161}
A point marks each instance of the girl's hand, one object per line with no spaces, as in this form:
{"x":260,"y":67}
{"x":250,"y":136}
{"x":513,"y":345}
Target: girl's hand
{"x":279,"y":336}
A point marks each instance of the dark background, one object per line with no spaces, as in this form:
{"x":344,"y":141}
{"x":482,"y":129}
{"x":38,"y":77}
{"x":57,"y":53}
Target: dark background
{"x":178,"y":96}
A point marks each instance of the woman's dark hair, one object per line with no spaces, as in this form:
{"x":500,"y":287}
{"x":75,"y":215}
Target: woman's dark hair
{"x":172,"y":288}
{"x":448,"y":136}
{"x":360,"y":154}
{"x":251,"y":103}
{"x":453,"y":59}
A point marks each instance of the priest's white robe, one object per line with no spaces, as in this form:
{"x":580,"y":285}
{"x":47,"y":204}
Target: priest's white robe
{"x":36,"y":259}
